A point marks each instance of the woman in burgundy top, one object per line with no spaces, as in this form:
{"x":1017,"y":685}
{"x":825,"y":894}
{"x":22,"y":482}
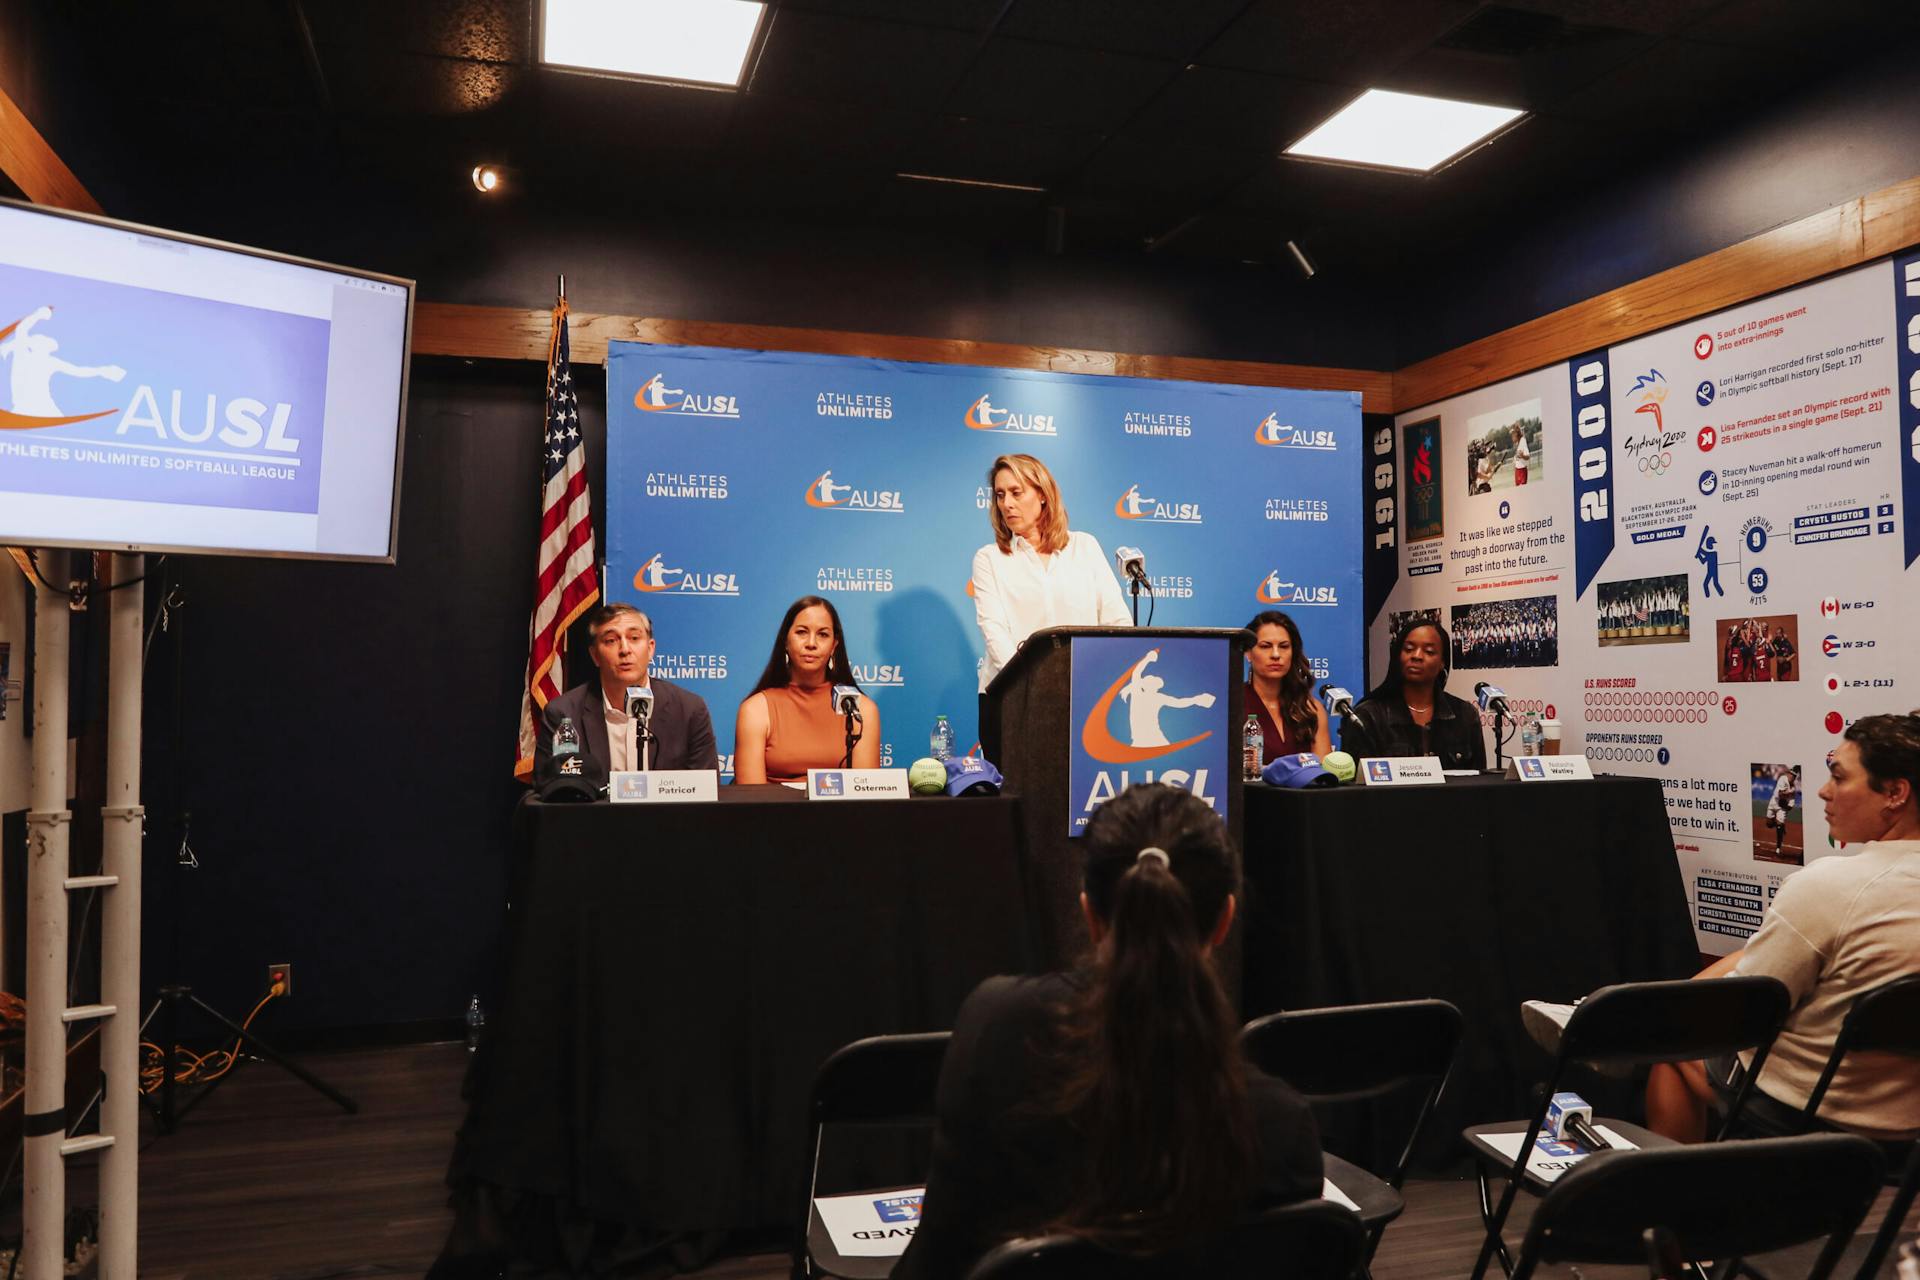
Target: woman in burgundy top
{"x":1280,"y":690}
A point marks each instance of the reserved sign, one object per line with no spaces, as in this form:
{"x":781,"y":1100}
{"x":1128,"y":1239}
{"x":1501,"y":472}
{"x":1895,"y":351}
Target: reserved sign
{"x":1549,"y":768}
{"x":664,"y":786}
{"x":1402,"y":771}
{"x":857,"y":784}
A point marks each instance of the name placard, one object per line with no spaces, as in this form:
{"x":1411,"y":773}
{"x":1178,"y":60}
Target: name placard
{"x":664,"y":786}
{"x":857,"y":784}
{"x":1402,"y":771}
{"x":1548,"y":768}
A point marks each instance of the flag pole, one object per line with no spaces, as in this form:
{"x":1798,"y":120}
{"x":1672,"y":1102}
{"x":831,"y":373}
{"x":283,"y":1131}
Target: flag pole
{"x":563,"y":286}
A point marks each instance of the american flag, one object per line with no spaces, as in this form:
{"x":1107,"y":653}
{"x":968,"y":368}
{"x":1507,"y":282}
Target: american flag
{"x":566,"y":584}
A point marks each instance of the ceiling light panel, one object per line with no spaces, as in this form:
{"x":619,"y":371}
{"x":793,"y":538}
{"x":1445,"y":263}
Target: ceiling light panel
{"x":1402,"y":131}
{"x":702,"y":42}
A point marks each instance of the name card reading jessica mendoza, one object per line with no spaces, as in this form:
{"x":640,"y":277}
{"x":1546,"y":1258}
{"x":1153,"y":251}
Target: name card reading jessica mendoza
{"x":664,"y":786}
{"x":858,"y":784}
{"x":1549,"y":768}
{"x":1402,"y":771}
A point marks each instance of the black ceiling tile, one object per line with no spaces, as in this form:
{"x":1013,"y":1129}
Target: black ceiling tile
{"x":486,"y":30}
{"x":824,"y":136}
{"x":1137,"y":163}
{"x":1151,"y":28}
{"x":1237,"y":110}
{"x":1067,"y":88}
{"x":1351,"y":42}
{"x":384,"y":82}
{"x":999,"y":151}
{"x":583,"y":110}
{"x":1797,"y":25}
{"x":960,"y":15}
{"x":1682,"y":87}
{"x":836,"y":59}
{"x":1653,"y":17}
{"x":1536,"y":79}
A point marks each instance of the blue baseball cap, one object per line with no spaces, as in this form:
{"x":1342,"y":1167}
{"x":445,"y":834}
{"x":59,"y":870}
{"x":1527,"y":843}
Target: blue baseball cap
{"x":972,"y":775}
{"x":1302,"y":770}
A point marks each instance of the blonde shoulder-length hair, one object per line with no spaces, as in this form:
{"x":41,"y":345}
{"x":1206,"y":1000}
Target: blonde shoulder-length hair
{"x":1050,"y":533}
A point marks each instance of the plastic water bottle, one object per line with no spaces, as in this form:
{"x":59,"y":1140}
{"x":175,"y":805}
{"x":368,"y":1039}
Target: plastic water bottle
{"x":1530,"y":735}
{"x":940,"y":741}
{"x":1253,"y":750}
{"x":476,"y":1023}
{"x":566,"y":748}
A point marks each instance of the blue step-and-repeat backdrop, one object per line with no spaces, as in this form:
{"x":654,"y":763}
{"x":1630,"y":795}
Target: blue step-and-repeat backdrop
{"x":738,"y":481}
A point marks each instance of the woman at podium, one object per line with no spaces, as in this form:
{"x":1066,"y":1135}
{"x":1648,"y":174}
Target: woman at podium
{"x":1410,"y":713}
{"x":793,"y":720}
{"x":1280,"y":690}
{"x":1035,"y":573}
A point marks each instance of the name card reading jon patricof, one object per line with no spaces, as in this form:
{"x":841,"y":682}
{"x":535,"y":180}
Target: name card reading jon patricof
{"x":664,"y":786}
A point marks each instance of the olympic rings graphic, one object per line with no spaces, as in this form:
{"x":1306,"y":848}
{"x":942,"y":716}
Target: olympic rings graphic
{"x":1657,"y":463}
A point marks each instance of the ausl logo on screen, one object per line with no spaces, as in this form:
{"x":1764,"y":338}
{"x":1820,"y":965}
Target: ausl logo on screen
{"x":1275,"y":434}
{"x":689,"y":666}
{"x":868,"y":578}
{"x":880,"y":675}
{"x":984,"y":415}
{"x":1274,"y":589}
{"x":657,"y":576}
{"x":1134,"y":505}
{"x":655,"y":396}
{"x":825,"y":493}
{"x":31,"y":354}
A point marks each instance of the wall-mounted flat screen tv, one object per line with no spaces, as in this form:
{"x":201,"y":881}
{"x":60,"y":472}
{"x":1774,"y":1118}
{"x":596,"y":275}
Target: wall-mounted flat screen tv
{"x":160,"y":392}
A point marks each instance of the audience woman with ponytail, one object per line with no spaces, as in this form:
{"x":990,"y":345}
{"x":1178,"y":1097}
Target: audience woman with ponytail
{"x":1112,"y":1102}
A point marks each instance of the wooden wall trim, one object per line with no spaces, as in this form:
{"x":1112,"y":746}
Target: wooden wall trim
{"x":41,"y":175}
{"x":503,"y":333}
{"x":1817,"y":245}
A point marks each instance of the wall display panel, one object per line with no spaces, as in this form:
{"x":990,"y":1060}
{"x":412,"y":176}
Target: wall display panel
{"x":740,"y":480}
{"x":1723,"y":526}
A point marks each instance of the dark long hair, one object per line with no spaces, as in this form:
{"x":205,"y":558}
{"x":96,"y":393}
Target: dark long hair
{"x":1393,"y":684}
{"x":1297,"y":720}
{"x":839,"y":666}
{"x":1154,"y":1083}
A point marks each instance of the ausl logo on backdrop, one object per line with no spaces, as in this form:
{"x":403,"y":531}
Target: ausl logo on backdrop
{"x":655,"y":396}
{"x":984,"y":415}
{"x":1133,"y":505}
{"x":880,"y":675}
{"x":689,"y":666}
{"x":656,"y":575}
{"x":827,"y":494}
{"x":30,"y":354}
{"x":1274,"y":590}
{"x":1276,"y":434}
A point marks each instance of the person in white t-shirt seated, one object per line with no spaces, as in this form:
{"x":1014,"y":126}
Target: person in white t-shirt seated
{"x":1035,"y":573}
{"x":1837,"y":929}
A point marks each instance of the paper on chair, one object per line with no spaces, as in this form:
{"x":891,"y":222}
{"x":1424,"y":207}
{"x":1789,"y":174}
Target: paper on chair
{"x":877,"y":1224}
{"x":1549,"y":1158}
{"x":1328,"y":1191}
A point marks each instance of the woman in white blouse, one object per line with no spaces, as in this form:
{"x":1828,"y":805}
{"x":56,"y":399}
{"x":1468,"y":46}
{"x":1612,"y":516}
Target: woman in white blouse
{"x":1035,"y":574}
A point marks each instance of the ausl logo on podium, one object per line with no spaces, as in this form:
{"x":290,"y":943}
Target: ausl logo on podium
{"x":1146,"y":711}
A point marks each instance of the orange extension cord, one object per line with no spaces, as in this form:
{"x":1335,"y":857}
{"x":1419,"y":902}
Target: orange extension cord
{"x":192,"y":1068}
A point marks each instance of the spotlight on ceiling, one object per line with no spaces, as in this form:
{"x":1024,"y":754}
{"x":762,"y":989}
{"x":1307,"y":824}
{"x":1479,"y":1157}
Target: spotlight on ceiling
{"x":486,"y":178}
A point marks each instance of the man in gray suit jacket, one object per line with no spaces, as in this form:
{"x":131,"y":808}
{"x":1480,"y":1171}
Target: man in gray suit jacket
{"x":680,"y":730}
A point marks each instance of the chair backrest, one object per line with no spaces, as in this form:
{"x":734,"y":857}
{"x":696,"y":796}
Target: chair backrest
{"x":1677,"y":1020}
{"x":1312,"y":1240}
{"x":1719,"y":1200}
{"x":1886,"y":1019}
{"x":879,"y":1080}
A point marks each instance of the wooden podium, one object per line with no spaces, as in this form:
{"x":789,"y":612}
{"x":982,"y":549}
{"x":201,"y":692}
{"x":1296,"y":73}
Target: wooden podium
{"x":1026,"y":730}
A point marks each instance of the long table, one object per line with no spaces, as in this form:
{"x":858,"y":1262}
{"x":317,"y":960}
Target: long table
{"x":677,"y":972}
{"x":1483,"y":892}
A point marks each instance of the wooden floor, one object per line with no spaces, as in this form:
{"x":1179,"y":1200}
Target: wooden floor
{"x":269,"y":1181}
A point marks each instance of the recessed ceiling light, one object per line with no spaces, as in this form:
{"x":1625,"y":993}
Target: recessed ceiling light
{"x":702,"y":42}
{"x":1402,"y":131}
{"x":486,"y":178}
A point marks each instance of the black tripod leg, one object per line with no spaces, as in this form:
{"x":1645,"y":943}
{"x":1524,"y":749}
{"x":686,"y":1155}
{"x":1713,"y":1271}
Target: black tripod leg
{"x":278,"y":1059}
{"x":169,"y":1062}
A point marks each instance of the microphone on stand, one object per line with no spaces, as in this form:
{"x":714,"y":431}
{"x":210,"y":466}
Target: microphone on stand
{"x":1133,"y":567}
{"x":846,"y":700}
{"x":1493,"y":698}
{"x":640,"y":707}
{"x":1339,"y":701}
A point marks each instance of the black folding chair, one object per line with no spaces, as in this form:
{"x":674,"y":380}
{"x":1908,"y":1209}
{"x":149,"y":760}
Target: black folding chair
{"x":1885,"y":1020}
{"x":882,"y":1080}
{"x":1626,"y":1025}
{"x":1358,"y":1055}
{"x":1312,"y":1240}
{"x":1722,"y":1200}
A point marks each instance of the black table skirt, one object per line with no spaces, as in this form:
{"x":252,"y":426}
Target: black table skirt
{"x":1482,"y":892}
{"x":677,"y":973}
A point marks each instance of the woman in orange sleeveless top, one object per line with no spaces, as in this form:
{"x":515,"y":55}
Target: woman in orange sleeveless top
{"x":788,"y":724}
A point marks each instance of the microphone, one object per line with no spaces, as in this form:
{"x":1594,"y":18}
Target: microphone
{"x":1570,"y":1119}
{"x":1132,"y":561}
{"x":1492,"y":698}
{"x":1339,"y":701}
{"x":846,"y":700}
{"x":640,"y":702}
